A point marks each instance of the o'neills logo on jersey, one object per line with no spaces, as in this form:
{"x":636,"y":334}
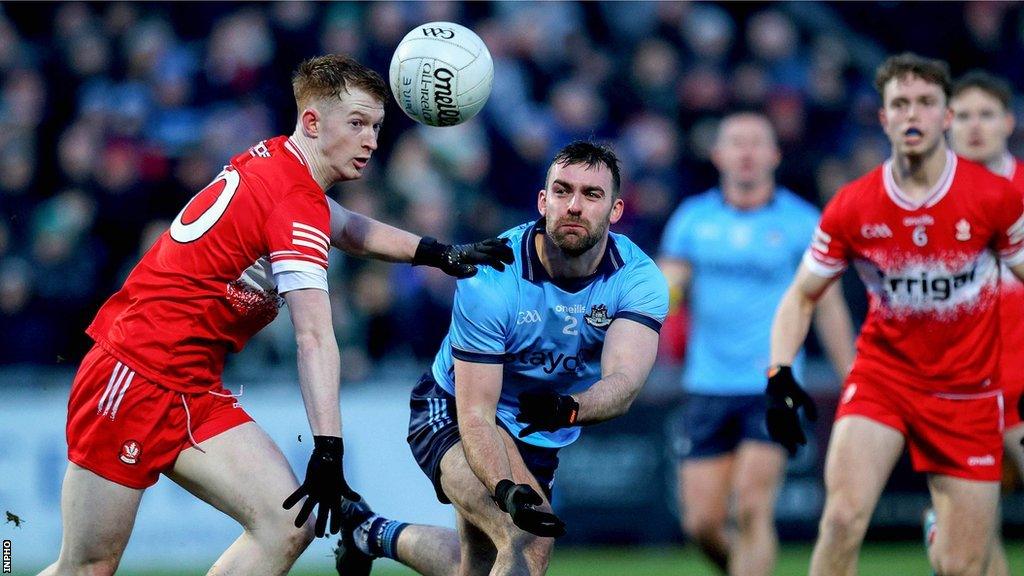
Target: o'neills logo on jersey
{"x":130,"y":452}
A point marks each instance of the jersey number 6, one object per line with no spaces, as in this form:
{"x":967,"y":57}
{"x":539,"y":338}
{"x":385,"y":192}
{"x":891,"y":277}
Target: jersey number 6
{"x":201,"y":224}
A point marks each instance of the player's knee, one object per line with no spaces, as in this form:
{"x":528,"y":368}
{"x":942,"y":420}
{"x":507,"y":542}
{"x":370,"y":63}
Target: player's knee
{"x":704,"y":526}
{"x":957,"y":562}
{"x":752,"y":511}
{"x":844,"y":519}
{"x":98,"y":567}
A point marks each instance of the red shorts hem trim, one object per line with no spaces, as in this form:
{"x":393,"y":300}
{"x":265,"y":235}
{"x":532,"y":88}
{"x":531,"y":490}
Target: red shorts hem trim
{"x":122,"y":480}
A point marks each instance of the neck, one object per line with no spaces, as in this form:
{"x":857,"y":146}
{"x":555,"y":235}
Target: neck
{"x":1001,"y":164}
{"x":748,"y":196}
{"x":560,"y":265}
{"x":916,"y":175}
{"x":316,"y":161}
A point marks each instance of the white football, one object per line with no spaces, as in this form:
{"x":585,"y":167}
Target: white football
{"x":441,"y":74}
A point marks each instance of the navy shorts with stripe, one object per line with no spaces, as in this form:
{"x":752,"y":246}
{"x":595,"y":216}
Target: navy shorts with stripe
{"x":712,"y":425}
{"x":434,"y":429}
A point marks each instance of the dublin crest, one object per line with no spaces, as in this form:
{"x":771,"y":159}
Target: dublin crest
{"x":598,"y":317}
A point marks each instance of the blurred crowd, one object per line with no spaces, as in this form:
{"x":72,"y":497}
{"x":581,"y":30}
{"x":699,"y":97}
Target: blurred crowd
{"x":112,"y":115}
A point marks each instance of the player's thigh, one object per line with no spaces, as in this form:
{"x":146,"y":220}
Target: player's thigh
{"x":242,"y":473}
{"x":758,"y":473}
{"x":1012,"y":445}
{"x":97,"y":517}
{"x":703,"y":489}
{"x":966,"y":512}
{"x":861,"y":456}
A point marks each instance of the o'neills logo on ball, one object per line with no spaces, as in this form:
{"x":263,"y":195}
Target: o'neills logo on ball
{"x":130,"y":452}
{"x":447,"y":111}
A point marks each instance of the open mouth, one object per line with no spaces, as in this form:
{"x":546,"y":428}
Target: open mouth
{"x":913,"y":136}
{"x":360,"y":162}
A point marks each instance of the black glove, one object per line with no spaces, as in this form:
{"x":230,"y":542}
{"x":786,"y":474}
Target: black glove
{"x":460,"y":260}
{"x":546,"y":410}
{"x":785,"y":397}
{"x":324,"y":485}
{"x":521,"y":501}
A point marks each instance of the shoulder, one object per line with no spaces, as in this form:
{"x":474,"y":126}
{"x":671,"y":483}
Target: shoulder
{"x":693,"y":208}
{"x":792,"y":202}
{"x":635,"y":262}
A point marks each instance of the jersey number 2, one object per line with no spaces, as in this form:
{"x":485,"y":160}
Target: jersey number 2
{"x":200,"y":225}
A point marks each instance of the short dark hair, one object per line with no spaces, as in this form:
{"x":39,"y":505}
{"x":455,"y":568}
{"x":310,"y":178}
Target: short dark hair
{"x":590,"y":154}
{"x":993,"y":85}
{"x":324,"y":77}
{"x":930,"y":70}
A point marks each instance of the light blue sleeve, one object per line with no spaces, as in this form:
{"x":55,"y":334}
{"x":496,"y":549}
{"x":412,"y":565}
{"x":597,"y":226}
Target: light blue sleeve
{"x":480,"y":318}
{"x":643,"y":296}
{"x":804,"y":221}
{"x":676,"y":240}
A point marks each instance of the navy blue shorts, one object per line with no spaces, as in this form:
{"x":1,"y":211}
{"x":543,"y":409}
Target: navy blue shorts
{"x":712,"y":425}
{"x":434,"y":428}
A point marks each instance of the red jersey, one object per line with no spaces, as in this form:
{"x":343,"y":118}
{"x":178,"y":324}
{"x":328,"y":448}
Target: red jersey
{"x":1011,"y":304}
{"x":190,"y":300}
{"x":931,"y":268}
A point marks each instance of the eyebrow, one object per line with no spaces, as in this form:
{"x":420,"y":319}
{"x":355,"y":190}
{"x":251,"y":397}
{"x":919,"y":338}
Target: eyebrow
{"x":585,"y":188}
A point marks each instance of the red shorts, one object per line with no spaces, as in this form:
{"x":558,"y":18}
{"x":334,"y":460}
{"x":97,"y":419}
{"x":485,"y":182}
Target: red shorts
{"x":129,"y":430}
{"x":958,"y":435}
{"x":1012,"y":389}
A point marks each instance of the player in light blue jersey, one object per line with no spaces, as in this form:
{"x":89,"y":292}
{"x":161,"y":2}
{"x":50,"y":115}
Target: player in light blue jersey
{"x":564,"y":337}
{"x":732,"y":250}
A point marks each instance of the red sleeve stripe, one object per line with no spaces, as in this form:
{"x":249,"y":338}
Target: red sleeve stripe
{"x":303,"y":257}
{"x":307,"y":236}
{"x":313,"y":245}
{"x":297,"y":226}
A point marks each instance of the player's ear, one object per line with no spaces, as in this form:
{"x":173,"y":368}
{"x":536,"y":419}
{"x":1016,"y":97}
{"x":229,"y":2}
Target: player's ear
{"x":881,"y":118}
{"x":947,"y":118}
{"x":309,"y":121}
{"x":617,"y":207}
{"x":542,"y":202}
{"x":1010,"y":122}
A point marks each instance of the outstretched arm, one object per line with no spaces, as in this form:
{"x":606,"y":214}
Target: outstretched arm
{"x":629,"y":352}
{"x":364,"y":237}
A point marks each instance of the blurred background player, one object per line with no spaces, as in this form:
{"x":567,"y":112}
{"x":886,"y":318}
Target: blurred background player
{"x":566,"y":337}
{"x":148,"y":398}
{"x":927,"y":232}
{"x":982,"y":124}
{"x":733,"y":250}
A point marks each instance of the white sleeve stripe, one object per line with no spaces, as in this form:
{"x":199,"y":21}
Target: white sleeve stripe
{"x":278,"y":252}
{"x":295,"y":266}
{"x":308,"y":228}
{"x":820,"y":269}
{"x":1016,"y":231}
{"x":307,"y":244}
{"x":308,"y":236}
{"x":289,"y":280}
{"x":300,"y":257}
{"x":1013,"y":257}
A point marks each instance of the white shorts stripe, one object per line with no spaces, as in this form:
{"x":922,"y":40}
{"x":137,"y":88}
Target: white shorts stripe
{"x":110,"y":384}
{"x":120,"y":396}
{"x":108,"y":397}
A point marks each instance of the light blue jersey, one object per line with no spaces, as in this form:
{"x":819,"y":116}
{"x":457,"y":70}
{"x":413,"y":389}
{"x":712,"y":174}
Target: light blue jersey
{"x":547,"y":335}
{"x":743,"y":261}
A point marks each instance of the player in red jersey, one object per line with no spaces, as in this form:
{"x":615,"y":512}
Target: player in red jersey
{"x":148,"y":397}
{"x":925,"y":231}
{"x":982,"y":124}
